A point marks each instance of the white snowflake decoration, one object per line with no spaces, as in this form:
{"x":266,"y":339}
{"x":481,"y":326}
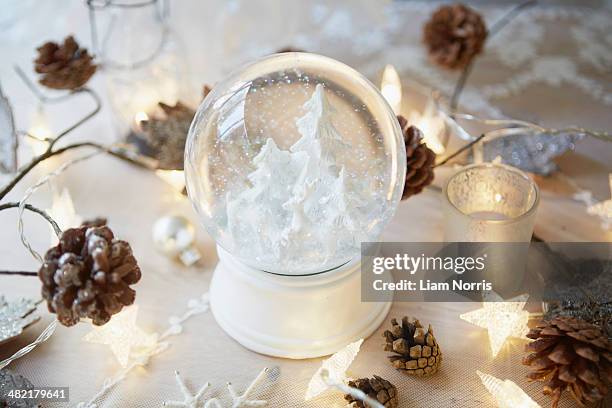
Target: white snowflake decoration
{"x":237,"y":400}
{"x":189,"y":399}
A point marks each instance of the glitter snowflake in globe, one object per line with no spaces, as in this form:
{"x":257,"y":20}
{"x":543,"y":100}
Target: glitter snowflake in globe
{"x":293,"y":162}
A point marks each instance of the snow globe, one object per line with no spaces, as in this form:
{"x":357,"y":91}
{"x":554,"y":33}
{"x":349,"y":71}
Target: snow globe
{"x":292,"y":163}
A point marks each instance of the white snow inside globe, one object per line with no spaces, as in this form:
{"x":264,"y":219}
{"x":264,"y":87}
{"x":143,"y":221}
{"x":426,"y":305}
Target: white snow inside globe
{"x":293,"y":161}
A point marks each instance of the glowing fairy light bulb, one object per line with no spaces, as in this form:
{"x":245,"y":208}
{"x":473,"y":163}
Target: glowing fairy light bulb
{"x":175,"y":178}
{"x":502,"y":319}
{"x":140,"y":117}
{"x":63,"y":212}
{"x":603,"y":209}
{"x":39,"y":131}
{"x":506,"y":393}
{"x":391,"y":88}
{"x":431,"y":124}
{"x":333,"y":370}
{"x":121,"y":334}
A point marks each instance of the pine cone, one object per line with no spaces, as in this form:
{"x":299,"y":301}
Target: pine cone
{"x":417,"y":350}
{"x":570,"y":354}
{"x":88,"y":274}
{"x":420,"y":160}
{"x":454,"y":35}
{"x":166,"y":137}
{"x":65,"y":66}
{"x":376,"y":388}
{"x":289,"y":49}
{"x":95,"y":222}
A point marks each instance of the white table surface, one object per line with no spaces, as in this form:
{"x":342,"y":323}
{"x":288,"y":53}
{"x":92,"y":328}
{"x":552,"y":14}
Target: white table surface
{"x":134,"y":199}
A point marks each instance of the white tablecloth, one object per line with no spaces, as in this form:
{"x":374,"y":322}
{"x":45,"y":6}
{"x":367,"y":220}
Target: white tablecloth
{"x":574,"y":88}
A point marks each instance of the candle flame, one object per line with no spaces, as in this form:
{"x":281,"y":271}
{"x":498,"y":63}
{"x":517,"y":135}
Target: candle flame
{"x":391,"y":88}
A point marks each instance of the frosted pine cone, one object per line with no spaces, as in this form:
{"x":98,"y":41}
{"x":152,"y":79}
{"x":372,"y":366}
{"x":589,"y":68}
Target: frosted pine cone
{"x":88,"y":275}
{"x":454,"y":35}
{"x":570,"y":354}
{"x":64,"y":66}
{"x":420,"y":160}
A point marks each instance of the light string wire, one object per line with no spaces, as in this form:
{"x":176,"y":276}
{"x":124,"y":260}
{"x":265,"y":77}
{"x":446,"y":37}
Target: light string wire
{"x":194,"y":307}
{"x":510,"y":127}
{"x":50,"y":329}
{"x":44,"y":336}
{"x":356,"y":393}
{"x":31,"y":190}
{"x":516,"y":126}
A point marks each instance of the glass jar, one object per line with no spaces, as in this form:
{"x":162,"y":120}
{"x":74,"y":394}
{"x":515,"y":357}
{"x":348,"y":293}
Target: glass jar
{"x":141,"y":57}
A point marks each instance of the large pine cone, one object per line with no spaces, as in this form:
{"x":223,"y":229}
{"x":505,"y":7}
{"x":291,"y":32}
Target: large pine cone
{"x":417,"y":351}
{"x":454,"y":35}
{"x":420,"y":160}
{"x":376,"y":388}
{"x":88,"y":274}
{"x":65,"y":66}
{"x":570,"y":354}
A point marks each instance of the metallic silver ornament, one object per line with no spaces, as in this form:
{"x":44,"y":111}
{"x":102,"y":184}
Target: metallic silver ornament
{"x":174,"y":236}
{"x":15,"y":317}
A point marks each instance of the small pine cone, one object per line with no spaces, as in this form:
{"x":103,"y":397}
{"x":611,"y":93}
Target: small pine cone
{"x":420,"y":160}
{"x":166,"y":136}
{"x":289,"y":49}
{"x":570,"y":354}
{"x":416,"y":351}
{"x":376,"y":388}
{"x":88,"y":274}
{"x":65,"y":66}
{"x":454,"y":35}
{"x":95,"y":222}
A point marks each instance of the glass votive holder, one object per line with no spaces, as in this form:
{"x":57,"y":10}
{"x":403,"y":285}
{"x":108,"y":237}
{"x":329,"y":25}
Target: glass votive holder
{"x":489,"y":202}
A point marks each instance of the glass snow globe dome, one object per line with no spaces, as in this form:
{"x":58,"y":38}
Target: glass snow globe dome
{"x":293,"y":161}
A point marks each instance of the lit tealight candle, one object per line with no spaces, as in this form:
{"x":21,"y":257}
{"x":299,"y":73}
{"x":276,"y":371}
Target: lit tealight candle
{"x":490,"y":202}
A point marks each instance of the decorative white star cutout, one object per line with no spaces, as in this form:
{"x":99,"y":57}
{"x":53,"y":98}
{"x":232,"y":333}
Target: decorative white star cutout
{"x":506,"y":393}
{"x":334,"y":369}
{"x":190,"y":400}
{"x":603,"y":209}
{"x":122,"y":335}
{"x":501,"y":318}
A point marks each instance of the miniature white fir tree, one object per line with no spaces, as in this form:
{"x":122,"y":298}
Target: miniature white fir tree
{"x":320,"y":139}
{"x":299,"y":200}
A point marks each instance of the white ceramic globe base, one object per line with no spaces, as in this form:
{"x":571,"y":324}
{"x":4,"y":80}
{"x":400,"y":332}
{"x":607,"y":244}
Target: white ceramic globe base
{"x":292,"y":316}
